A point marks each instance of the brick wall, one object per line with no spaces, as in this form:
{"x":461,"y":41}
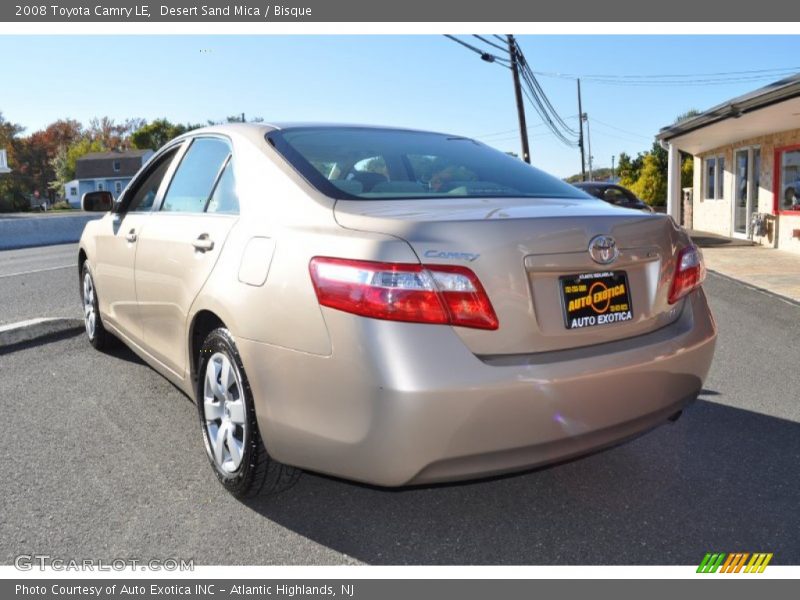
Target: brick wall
{"x":716,"y":215}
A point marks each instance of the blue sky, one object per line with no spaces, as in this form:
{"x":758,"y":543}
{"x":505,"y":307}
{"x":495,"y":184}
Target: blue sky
{"x":427,"y":82}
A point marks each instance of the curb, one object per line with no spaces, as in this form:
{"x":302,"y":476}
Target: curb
{"x":755,"y":288}
{"x":34,"y":329}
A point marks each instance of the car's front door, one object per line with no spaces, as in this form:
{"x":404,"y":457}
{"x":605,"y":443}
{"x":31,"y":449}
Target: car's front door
{"x":181,"y":244}
{"x":117,"y":244}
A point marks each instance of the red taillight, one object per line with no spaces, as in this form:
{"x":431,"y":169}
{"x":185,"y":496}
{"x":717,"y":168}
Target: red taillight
{"x":440,"y":294}
{"x":689,"y":273}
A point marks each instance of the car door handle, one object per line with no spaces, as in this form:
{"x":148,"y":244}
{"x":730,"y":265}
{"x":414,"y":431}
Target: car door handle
{"x":203,"y":243}
{"x":131,"y":237}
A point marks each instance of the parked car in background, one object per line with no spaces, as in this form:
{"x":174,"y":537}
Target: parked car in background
{"x":392,"y":306}
{"x":614,"y":194}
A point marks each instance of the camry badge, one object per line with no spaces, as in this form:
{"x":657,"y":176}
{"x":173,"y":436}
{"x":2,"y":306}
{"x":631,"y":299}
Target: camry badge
{"x":603,"y":249}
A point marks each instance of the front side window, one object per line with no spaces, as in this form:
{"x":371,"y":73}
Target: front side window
{"x":144,"y":193}
{"x":193,"y":183}
{"x":789,"y":191}
{"x":359,"y":163}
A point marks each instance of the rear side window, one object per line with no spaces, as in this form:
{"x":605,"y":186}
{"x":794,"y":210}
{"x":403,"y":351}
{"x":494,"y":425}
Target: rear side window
{"x":371,"y":163}
{"x":193,"y":182}
{"x":224,"y":199}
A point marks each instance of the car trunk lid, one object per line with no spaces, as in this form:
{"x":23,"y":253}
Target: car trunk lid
{"x":521,"y":248}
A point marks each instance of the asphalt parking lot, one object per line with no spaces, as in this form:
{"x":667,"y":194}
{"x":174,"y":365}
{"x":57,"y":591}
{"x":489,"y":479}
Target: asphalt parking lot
{"x":102,"y":457}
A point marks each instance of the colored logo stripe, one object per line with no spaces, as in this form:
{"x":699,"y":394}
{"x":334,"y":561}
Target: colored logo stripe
{"x":733,"y":563}
{"x":758,"y":563}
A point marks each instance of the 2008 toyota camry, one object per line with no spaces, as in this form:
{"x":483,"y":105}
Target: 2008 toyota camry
{"x":392,"y":306}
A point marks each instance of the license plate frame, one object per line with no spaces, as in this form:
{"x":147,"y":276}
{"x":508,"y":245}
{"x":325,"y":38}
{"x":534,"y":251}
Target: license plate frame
{"x":596,"y":299}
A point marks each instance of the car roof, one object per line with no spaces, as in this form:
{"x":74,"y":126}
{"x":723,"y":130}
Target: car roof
{"x":258,"y":130}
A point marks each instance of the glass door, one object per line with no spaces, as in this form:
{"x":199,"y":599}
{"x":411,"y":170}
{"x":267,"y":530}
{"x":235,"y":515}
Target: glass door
{"x":747,"y":165}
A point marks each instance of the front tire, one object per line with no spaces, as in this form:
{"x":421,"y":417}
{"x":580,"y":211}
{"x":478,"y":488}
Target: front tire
{"x":95,"y":332}
{"x":228,"y":421}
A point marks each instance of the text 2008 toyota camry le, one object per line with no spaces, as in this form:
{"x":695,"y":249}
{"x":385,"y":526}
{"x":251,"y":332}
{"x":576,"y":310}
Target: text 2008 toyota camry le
{"x":392,"y":306}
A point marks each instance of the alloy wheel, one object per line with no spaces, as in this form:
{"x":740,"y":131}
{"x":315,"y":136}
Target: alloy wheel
{"x":224,"y":412}
{"x":89,"y":313}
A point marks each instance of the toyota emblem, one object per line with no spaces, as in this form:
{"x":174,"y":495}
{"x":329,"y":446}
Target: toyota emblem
{"x":603,"y":249}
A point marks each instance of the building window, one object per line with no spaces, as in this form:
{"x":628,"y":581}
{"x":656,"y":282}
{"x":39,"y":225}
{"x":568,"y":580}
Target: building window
{"x":714,"y":174}
{"x":711,"y":178}
{"x":117,"y":166}
{"x":73,"y":191}
{"x":788,"y":196}
{"x":117,"y":188}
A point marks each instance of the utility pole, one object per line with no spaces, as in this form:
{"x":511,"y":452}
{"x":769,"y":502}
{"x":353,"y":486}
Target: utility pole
{"x":523,"y":127}
{"x":585,"y":117}
{"x":613,"y":178}
{"x":580,"y":137}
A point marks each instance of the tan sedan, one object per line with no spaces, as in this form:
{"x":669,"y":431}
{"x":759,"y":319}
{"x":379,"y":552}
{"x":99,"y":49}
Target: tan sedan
{"x":392,"y":306}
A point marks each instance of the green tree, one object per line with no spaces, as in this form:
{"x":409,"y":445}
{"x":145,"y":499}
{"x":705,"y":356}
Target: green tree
{"x":626,"y":170}
{"x":12,"y":185}
{"x":687,"y":171}
{"x":651,"y":186}
{"x":685,"y":116}
{"x":153,"y":135}
{"x":67,"y":157}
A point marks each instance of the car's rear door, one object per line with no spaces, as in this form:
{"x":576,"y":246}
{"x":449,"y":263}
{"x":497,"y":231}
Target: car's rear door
{"x":180,"y":246}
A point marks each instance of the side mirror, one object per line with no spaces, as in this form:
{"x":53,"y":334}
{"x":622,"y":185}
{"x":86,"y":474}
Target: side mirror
{"x":101,"y":201}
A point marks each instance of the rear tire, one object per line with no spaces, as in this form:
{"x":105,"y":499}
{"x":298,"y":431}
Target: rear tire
{"x":228,"y":422}
{"x":95,"y":332}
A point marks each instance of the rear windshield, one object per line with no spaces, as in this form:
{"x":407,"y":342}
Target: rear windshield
{"x":385,"y":164}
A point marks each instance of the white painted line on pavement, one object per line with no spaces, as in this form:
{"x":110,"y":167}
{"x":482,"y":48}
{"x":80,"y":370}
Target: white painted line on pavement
{"x":33,"y":329}
{"x":39,"y":270}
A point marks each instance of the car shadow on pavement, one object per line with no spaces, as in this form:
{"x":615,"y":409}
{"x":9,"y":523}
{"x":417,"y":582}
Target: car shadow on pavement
{"x":720,"y":479}
{"x":117,"y":349}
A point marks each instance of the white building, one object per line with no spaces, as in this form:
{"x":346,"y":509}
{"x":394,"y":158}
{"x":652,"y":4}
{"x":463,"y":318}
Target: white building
{"x":4,"y":162}
{"x":746,"y":164}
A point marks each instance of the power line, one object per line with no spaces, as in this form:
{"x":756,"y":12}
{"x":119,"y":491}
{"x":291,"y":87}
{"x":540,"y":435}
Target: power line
{"x":491,"y":43}
{"x":661,"y":81}
{"x":525,"y":83}
{"x":672,"y":75}
{"x":539,"y":107}
{"x":486,"y":56}
{"x":505,"y":131}
{"x":598,"y":121}
{"x":541,"y":103}
{"x":528,"y":74}
{"x":534,"y":136}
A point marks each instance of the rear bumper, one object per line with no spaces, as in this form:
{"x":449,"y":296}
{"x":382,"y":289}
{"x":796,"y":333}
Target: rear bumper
{"x":399,"y":403}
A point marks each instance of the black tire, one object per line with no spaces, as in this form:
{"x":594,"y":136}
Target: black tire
{"x":258,"y":474}
{"x":98,"y":337}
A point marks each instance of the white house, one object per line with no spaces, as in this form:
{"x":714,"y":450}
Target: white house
{"x":110,"y":171}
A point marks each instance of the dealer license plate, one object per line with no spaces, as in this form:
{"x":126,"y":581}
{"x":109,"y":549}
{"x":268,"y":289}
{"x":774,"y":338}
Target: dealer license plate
{"x":592,"y":299}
